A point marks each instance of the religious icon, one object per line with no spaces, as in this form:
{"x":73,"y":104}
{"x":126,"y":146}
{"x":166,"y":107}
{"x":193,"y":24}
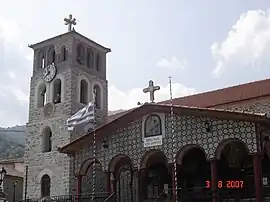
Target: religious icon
{"x":152,"y":126}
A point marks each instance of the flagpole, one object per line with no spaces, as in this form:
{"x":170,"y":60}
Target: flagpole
{"x":174,"y":144}
{"x":94,"y":148}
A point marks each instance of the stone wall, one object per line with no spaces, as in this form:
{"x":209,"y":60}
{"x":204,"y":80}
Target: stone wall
{"x":261,"y":105}
{"x":189,"y":130}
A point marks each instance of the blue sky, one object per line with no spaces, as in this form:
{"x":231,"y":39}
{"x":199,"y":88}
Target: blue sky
{"x":203,"y":45}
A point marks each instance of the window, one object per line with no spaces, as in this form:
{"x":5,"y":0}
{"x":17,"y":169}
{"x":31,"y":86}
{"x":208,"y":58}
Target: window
{"x":83,"y":92}
{"x":42,"y":95}
{"x":41,"y":59}
{"x":152,"y":126}
{"x":63,"y":54}
{"x":47,"y":139}
{"x":97,"y":62}
{"x":80,"y":54}
{"x":90,"y":58}
{"x":51,"y":56}
{"x":45,"y":185}
{"x":97,"y":93}
{"x":57,"y":91}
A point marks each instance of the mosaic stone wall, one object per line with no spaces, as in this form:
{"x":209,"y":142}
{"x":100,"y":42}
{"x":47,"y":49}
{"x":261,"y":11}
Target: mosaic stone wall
{"x":190,"y":130}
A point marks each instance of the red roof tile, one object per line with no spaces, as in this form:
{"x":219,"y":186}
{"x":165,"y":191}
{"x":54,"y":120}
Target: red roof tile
{"x":226,"y":95}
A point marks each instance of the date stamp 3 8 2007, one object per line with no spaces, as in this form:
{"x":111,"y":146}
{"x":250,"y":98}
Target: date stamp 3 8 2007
{"x":229,"y":184}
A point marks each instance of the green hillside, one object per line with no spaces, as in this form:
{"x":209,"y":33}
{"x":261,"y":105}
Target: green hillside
{"x":12,"y":142}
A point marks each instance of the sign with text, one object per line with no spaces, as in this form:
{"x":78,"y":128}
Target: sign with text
{"x":152,"y":141}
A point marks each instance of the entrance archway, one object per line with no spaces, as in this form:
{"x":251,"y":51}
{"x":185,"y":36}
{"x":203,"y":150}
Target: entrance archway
{"x":193,"y":172}
{"x":157,"y":176}
{"x":235,"y":171}
{"x":89,"y":169}
{"x":124,"y":185}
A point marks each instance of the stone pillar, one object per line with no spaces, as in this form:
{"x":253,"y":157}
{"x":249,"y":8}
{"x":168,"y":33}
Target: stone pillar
{"x":108,"y":182}
{"x":114,"y":183}
{"x":258,"y":177}
{"x":142,"y":184}
{"x":213,"y":165}
{"x":78,"y":185}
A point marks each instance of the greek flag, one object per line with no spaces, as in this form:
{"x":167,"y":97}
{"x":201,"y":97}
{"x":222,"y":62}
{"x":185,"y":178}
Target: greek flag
{"x":85,"y":115}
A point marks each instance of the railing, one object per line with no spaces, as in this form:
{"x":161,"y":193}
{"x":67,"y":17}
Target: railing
{"x":206,"y":195}
{"x":112,"y":198}
{"x":87,"y":197}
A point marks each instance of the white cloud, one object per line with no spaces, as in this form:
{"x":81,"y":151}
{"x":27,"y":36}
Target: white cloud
{"x":247,"y":43}
{"x":172,"y":63}
{"x":125,"y":100}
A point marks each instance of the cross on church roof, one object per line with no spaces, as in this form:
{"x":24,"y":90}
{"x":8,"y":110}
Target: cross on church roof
{"x":70,"y":21}
{"x":151,"y":89}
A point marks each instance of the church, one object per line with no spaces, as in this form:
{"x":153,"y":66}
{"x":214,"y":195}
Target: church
{"x":212,"y":146}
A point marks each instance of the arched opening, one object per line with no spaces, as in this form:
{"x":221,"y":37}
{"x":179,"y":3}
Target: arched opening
{"x":57,"y":91}
{"x":83,"y":92}
{"x":80,"y":54}
{"x":235,"y":170}
{"x":42,"y":95}
{"x":89,"y":58}
{"x":46,"y":139}
{"x":193,"y":170}
{"x":97,"y":92}
{"x":266,"y":165}
{"x":98,"y":62}
{"x":157,"y":177}
{"x":51,"y":56}
{"x":89,"y":169}
{"x":41,"y":59}
{"x":63,"y":54}
{"x":45,"y":186}
{"x":124,"y":185}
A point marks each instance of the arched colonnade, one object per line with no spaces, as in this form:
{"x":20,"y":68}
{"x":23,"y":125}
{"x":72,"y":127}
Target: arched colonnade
{"x":233,"y":169}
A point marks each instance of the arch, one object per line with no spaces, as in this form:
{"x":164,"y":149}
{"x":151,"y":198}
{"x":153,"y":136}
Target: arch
{"x":157,"y":120}
{"x":97,"y":92}
{"x":87,"y":164}
{"x":184,"y":150}
{"x":57,"y":91}
{"x":80,"y":54}
{"x":226,"y":142}
{"x":83,"y":91}
{"x":41,"y":95}
{"x":115,"y":161}
{"x":45,"y":171}
{"x":51,"y":56}
{"x":149,"y":155}
{"x":63,"y":54}
{"x":46,"y":139}
{"x":41,"y":59}
{"x":98,"y":62}
{"x":45,"y":184}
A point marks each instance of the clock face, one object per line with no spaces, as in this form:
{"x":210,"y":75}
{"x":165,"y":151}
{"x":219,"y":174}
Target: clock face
{"x":152,"y":126}
{"x":49,"y":73}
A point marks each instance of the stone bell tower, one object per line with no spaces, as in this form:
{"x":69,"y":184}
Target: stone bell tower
{"x":67,"y":69}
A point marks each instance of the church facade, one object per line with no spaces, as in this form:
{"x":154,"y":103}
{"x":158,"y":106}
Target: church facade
{"x":215,"y":147}
{"x":207,"y":146}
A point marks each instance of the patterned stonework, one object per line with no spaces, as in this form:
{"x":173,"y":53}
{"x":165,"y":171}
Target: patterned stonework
{"x":190,"y":130}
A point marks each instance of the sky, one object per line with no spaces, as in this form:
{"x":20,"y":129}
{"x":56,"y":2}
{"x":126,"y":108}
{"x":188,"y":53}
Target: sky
{"x":203,"y":45}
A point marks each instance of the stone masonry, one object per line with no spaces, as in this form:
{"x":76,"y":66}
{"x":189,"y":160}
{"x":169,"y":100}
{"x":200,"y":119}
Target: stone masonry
{"x":54,"y":164}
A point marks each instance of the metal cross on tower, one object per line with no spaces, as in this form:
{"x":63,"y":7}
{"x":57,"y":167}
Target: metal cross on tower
{"x":151,"y":89}
{"x":70,"y":21}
